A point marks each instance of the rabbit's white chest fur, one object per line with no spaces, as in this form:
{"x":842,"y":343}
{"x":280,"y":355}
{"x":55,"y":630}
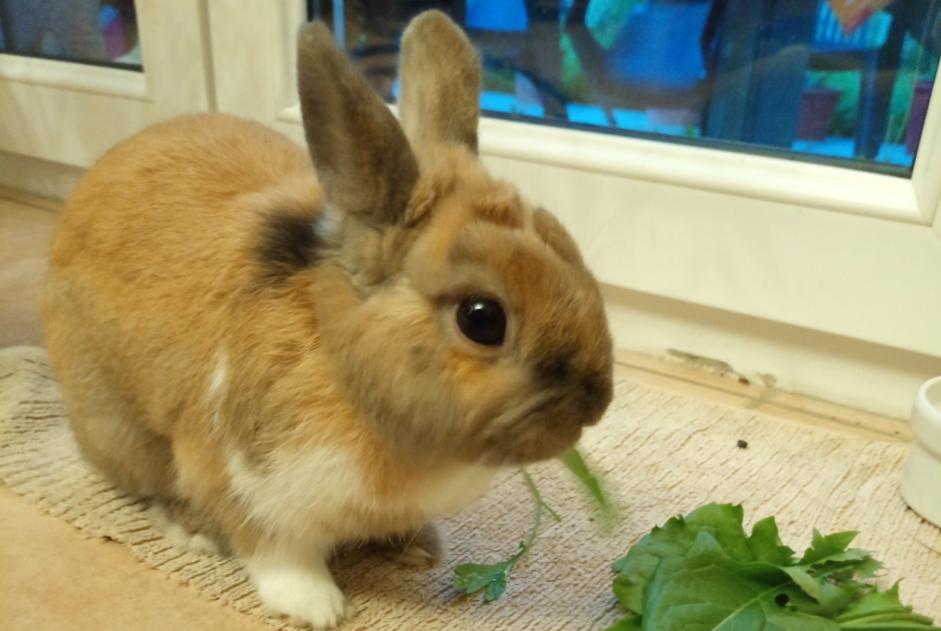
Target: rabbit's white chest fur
{"x":298,"y":489}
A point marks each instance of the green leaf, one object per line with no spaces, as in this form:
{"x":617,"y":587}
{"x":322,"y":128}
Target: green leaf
{"x":805,"y":581}
{"x":834,"y":597}
{"x":884,"y":611}
{"x":707,"y":589}
{"x":496,"y":587}
{"x":575,"y":463}
{"x":630,"y":622}
{"x":828,"y":558}
{"x":473,"y":577}
{"x":673,"y":539}
{"x":702,"y":572}
{"x":765,"y":543}
{"x":822,"y":548}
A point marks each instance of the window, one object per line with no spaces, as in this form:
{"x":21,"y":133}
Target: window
{"x":75,"y":78}
{"x":825,"y":80}
{"x":86,"y":31}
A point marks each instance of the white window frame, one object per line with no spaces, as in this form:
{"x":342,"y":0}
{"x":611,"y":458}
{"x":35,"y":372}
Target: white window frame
{"x":70,"y":113}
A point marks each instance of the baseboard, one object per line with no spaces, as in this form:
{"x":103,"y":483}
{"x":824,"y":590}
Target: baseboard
{"x":36,"y":182}
{"x":846,"y":371}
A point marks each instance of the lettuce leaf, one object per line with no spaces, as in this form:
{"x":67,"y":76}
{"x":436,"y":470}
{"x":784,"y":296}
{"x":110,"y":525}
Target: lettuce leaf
{"x":703,"y":571}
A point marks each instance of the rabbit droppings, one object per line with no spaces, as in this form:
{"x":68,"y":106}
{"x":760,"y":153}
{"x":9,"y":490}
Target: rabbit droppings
{"x":287,"y":350}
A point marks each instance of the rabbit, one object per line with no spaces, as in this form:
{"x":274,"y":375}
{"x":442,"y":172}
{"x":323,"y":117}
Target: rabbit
{"x":287,"y":350}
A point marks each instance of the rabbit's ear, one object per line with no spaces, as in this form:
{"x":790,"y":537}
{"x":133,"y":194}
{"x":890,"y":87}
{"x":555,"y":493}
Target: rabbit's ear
{"x":440,"y":82}
{"x":360,"y":153}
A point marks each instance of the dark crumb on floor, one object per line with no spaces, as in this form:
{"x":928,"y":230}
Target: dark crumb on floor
{"x":742,"y":444}
{"x":744,"y":381}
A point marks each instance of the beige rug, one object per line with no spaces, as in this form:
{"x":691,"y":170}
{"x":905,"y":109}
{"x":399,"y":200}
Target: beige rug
{"x":662,"y":453}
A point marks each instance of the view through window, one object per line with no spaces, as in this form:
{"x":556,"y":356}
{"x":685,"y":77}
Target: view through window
{"x":840,"y":81}
{"x":100,"y":32}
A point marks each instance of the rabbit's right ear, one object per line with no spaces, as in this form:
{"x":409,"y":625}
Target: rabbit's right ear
{"x":359,"y":151}
{"x":440,"y":74}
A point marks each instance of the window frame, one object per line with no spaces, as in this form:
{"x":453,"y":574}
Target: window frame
{"x":98,"y":105}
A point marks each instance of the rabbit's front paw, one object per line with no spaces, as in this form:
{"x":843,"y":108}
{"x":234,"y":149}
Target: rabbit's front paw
{"x":305,"y":595}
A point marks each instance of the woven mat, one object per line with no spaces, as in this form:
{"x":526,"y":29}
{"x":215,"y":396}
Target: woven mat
{"x":662,"y":454}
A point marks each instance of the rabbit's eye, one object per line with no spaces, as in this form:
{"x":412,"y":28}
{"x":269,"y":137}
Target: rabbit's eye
{"x":482,"y":321}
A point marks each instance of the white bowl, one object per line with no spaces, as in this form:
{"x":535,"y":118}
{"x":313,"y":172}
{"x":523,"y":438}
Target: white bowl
{"x":921,"y":481}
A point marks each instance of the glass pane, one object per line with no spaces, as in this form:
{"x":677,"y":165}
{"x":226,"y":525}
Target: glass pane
{"x":838,"y":81}
{"x":100,"y":32}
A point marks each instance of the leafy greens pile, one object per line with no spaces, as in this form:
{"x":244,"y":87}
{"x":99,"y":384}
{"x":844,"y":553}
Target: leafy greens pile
{"x":703,"y":572}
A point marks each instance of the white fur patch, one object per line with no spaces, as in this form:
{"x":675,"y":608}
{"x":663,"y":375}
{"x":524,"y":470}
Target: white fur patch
{"x":217,"y":386}
{"x":219,"y":375}
{"x":294,"y":489}
{"x":307,"y":594}
{"x":328,"y":223}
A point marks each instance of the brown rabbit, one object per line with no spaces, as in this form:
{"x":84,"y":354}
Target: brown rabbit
{"x":287,"y":357}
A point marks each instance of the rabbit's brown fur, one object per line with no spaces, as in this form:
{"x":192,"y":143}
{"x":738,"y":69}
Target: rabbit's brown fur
{"x":273,"y":353}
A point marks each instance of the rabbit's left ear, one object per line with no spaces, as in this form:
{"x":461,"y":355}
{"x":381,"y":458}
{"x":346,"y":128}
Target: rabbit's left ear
{"x":440,"y":82}
{"x":361,"y":156}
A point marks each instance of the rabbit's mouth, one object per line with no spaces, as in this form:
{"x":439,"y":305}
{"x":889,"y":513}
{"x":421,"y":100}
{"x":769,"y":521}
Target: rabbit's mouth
{"x":543,"y":406}
{"x":537,"y":430}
